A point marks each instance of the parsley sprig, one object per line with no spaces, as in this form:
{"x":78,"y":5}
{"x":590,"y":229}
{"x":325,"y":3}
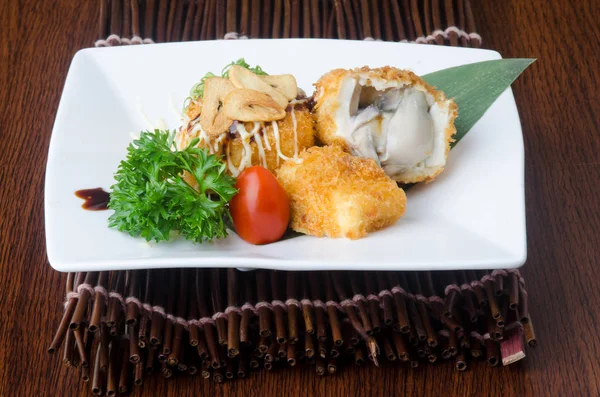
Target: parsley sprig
{"x":197,"y":90}
{"x":151,"y":199}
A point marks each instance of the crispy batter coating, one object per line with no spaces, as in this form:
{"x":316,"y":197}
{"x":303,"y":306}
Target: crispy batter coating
{"x":305,"y":138}
{"x":193,"y":110}
{"x":327,"y":102}
{"x":292,"y":141}
{"x":335,"y":194}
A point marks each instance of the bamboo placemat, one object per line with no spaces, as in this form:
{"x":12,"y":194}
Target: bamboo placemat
{"x":119,"y":327}
{"x":439,"y":22}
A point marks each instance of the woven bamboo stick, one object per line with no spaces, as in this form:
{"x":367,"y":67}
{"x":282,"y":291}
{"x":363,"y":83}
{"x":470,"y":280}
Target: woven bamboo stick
{"x":423,"y":21}
{"x":344,"y":333}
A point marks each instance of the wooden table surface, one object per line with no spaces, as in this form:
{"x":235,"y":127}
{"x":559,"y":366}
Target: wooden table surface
{"x":559,"y":105}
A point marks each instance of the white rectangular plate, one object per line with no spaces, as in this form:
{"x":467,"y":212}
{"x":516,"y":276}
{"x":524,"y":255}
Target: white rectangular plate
{"x":471,"y":217}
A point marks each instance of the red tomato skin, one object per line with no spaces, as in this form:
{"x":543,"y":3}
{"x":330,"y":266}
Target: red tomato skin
{"x":261,"y":209}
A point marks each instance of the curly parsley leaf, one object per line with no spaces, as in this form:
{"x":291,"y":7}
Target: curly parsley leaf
{"x":151,"y":198}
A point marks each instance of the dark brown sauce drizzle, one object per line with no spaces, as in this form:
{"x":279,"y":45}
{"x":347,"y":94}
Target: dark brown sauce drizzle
{"x":311,"y":103}
{"x":298,"y":106}
{"x":95,"y":199}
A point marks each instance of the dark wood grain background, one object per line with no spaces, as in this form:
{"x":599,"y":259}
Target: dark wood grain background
{"x":559,"y":106}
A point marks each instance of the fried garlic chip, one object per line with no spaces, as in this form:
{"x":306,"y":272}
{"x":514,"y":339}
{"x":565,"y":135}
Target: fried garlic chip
{"x":250,"y":105}
{"x":213,"y":119}
{"x":241,"y":77}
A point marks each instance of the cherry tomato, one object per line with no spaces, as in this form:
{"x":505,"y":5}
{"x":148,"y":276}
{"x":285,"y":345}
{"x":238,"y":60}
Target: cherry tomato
{"x":261,"y":209}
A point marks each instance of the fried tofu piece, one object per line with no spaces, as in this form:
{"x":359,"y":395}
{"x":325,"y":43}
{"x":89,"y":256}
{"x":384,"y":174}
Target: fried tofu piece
{"x":335,"y":194}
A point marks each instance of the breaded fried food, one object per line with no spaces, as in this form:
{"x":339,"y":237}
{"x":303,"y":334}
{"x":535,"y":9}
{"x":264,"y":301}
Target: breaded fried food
{"x":255,"y":143}
{"x":274,"y":142}
{"x":335,"y":194}
{"x":247,"y":117}
{"x":389,"y":115}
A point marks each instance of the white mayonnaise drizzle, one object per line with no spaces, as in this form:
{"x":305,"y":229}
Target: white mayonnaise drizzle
{"x":247,"y":149}
{"x":246,"y":159}
{"x":230,"y":166}
{"x":295,"y":101}
{"x":259,"y":145}
{"x":196,"y":131}
{"x":277,"y":143}
{"x":219,"y":142}
{"x":204,"y":139}
{"x":295,"y":128}
{"x":267,"y":143}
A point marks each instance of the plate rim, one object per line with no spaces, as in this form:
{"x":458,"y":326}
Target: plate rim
{"x":518,"y":259}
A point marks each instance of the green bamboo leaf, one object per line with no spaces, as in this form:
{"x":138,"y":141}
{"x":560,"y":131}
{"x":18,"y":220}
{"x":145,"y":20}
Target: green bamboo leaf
{"x":475,"y":87}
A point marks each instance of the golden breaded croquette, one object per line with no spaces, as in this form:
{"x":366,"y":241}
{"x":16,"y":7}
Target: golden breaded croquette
{"x":260,"y":144}
{"x":390,"y":115}
{"x":291,"y":140}
{"x":335,"y":194}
